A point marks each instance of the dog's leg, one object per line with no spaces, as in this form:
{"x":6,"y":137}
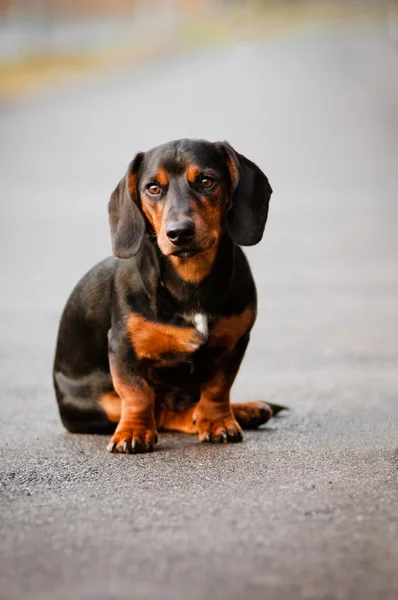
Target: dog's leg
{"x":170,"y":420}
{"x":136,"y":431}
{"x":250,"y":415}
{"x":112,"y":406}
{"x":214,"y":415}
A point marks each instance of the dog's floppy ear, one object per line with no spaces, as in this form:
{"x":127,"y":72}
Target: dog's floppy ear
{"x":125,"y":217}
{"x":250,"y":197}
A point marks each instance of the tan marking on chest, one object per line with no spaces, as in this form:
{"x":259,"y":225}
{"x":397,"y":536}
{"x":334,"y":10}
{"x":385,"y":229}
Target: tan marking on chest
{"x":228,"y":330}
{"x":154,"y":340}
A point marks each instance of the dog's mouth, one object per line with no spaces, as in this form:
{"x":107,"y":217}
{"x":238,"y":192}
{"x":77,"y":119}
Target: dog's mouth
{"x":191,"y":252}
{"x":187,"y":252}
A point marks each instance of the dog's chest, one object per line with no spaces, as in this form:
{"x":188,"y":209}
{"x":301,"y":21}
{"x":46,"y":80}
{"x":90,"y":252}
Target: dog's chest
{"x":200,"y":321}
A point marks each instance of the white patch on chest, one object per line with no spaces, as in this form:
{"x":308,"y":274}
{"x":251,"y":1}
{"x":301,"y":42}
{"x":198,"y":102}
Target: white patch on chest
{"x":200,"y":322}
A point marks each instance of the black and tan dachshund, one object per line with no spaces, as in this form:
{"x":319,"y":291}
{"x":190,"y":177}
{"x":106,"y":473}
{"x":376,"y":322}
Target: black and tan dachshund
{"x":153,"y":337}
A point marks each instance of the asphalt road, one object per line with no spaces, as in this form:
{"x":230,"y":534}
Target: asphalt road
{"x":306,"y":507}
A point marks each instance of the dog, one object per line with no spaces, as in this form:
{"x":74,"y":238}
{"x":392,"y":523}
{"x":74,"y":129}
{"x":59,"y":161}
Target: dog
{"x":152,"y":338}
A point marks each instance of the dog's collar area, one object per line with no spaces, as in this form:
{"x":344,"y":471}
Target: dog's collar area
{"x":185,"y":298}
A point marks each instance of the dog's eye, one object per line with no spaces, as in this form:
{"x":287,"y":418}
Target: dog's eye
{"x":207,"y":182}
{"x":153,"y":189}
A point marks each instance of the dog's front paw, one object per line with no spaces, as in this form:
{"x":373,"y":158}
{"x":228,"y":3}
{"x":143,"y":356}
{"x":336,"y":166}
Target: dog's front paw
{"x":220,"y":429}
{"x":129,"y":439}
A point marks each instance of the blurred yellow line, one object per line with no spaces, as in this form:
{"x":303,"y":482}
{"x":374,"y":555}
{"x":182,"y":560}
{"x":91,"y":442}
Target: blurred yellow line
{"x":29,"y":76}
{"x":257,"y":20}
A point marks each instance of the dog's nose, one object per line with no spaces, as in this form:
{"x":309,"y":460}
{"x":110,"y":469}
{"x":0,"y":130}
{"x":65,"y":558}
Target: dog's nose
{"x":180,"y":232}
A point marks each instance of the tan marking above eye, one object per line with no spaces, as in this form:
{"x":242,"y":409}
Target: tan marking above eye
{"x":161,"y":177}
{"x":192,"y":173}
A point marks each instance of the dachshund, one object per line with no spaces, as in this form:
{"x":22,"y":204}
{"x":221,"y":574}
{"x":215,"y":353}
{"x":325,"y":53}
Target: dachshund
{"x":152,"y":338}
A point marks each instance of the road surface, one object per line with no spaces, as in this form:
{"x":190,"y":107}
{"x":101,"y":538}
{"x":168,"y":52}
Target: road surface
{"x":306,"y":507}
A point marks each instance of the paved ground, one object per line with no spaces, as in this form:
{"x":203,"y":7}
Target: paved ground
{"x":305,"y":508}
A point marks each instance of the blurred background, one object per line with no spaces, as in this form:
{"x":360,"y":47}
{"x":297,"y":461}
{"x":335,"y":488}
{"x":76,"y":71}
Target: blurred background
{"x":43,"y":39}
{"x":309,"y":91}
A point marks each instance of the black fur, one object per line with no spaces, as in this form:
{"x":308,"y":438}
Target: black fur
{"x":141,"y":280}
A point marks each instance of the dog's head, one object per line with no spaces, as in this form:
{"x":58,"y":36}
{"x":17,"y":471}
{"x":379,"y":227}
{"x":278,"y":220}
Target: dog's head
{"x":189,"y":192}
